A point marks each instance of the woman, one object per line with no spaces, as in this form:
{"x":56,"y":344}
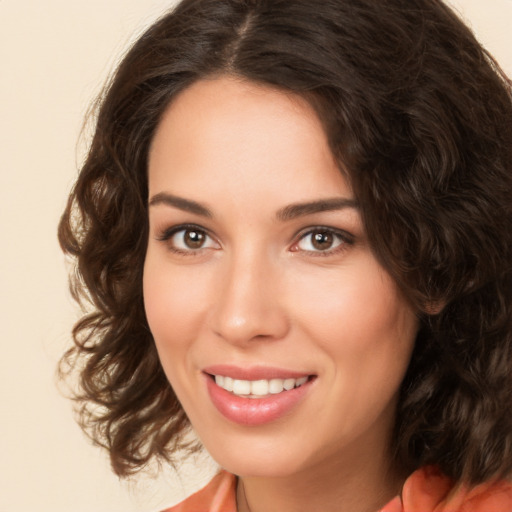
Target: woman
{"x":294,"y":225}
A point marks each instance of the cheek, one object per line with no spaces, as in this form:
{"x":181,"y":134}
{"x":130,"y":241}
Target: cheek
{"x":175,"y":301}
{"x":358,"y":317}
{"x":367,"y":331}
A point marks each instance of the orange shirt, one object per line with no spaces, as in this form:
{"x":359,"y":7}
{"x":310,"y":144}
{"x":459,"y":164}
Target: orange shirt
{"x":426,"y":490}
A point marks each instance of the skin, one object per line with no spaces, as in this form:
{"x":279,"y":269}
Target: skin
{"x":257,"y":291}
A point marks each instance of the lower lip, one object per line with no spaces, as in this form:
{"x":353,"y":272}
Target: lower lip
{"x":255,"y":411}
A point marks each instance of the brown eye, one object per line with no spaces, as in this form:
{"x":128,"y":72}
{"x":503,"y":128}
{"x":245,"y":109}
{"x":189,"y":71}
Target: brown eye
{"x":194,"y":239}
{"x":321,"y":240}
{"x":189,"y":239}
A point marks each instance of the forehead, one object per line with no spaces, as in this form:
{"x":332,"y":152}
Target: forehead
{"x":229,"y":135}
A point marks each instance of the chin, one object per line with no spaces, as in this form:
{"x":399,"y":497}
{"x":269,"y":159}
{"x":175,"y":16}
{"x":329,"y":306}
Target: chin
{"x":259,"y":457}
{"x":264,"y":467}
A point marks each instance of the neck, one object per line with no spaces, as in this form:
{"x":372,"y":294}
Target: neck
{"x":356,"y":484}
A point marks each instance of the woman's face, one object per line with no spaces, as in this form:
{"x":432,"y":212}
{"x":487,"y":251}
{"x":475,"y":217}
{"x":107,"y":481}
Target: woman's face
{"x":258,"y":275}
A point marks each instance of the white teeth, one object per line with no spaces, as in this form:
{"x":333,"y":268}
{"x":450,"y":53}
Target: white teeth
{"x":228,"y":384}
{"x":276,"y":386}
{"x":241,"y":387}
{"x":301,"y":381}
{"x":258,"y":388}
{"x":289,"y":384}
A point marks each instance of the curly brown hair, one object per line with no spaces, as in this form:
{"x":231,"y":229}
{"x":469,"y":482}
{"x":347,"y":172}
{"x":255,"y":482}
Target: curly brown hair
{"x":421,"y":117}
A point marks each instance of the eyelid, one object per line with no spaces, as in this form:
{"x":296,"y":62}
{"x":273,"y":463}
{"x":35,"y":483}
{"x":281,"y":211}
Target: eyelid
{"x":346,"y":238}
{"x":166,"y":234}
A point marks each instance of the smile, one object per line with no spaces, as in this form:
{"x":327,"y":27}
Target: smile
{"x":257,"y":389}
{"x":256,"y":396}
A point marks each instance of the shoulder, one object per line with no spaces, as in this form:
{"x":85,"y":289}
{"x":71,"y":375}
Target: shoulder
{"x":426,"y":490}
{"x":217,"y":496}
{"x":429,"y":490}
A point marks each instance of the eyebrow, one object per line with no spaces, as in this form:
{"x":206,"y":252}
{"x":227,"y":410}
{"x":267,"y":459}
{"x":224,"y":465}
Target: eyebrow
{"x":182,"y":204}
{"x":287,"y":213}
{"x":293,"y":211}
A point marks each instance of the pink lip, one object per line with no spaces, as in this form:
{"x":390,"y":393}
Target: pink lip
{"x":253,"y":372}
{"x":254,"y":411}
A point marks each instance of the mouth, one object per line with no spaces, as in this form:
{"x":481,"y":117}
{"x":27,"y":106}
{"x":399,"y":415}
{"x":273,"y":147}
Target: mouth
{"x":258,"y":389}
{"x":258,"y":395}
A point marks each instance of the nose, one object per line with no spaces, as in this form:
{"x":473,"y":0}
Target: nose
{"x":250,"y":304}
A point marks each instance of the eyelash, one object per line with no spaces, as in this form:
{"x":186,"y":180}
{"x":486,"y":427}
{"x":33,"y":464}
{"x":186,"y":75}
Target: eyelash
{"x":168,"y":233}
{"x":343,"y":238}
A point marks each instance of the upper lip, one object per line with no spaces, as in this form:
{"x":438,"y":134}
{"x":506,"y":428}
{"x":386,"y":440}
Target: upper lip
{"x":254,"y":372}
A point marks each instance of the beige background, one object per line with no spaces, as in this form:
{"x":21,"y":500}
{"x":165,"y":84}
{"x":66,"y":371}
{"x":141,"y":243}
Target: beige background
{"x":54,"y":55}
